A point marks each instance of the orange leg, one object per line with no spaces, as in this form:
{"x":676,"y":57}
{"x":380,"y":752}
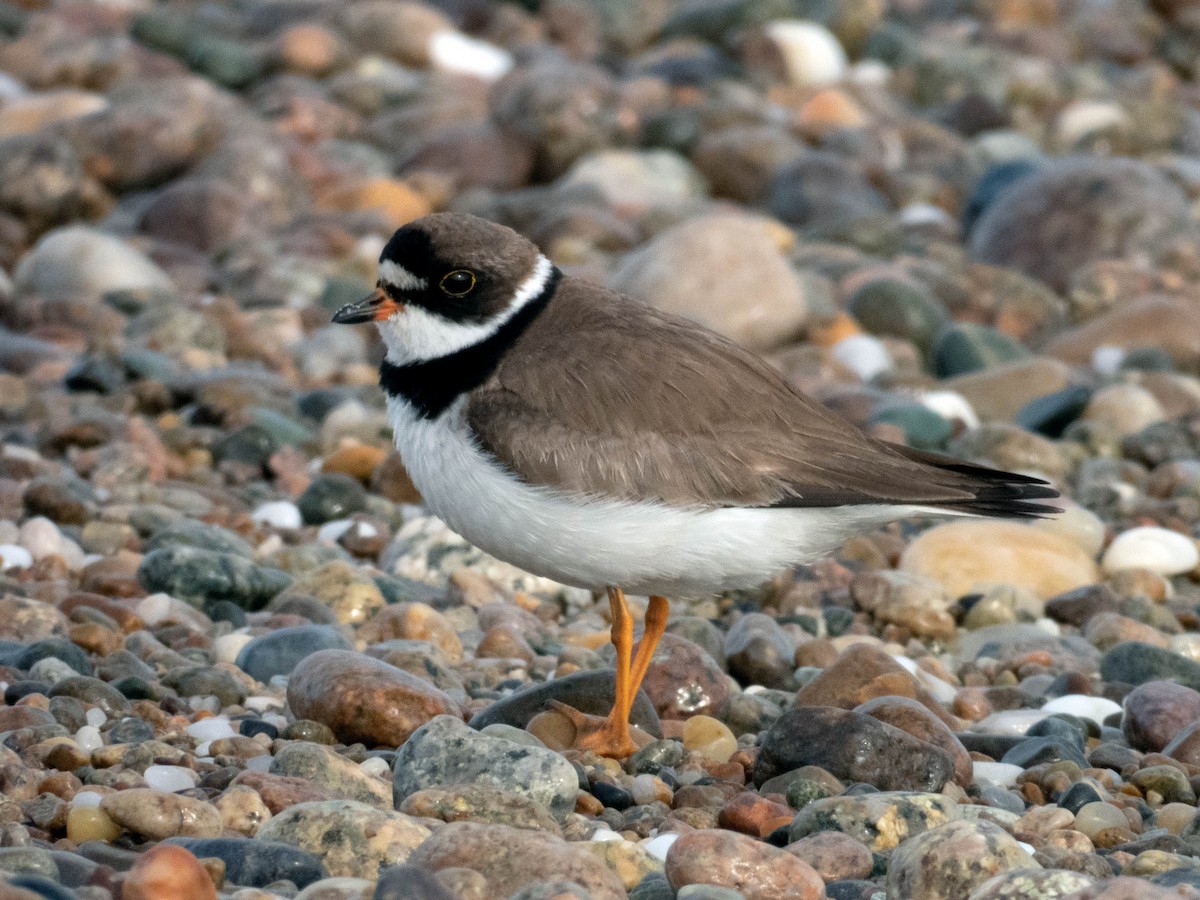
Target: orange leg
{"x":610,"y":736}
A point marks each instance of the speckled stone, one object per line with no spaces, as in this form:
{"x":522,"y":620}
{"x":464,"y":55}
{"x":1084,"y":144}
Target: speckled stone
{"x":344,"y":778}
{"x":351,"y":839}
{"x":1032,"y":884}
{"x":952,"y":860}
{"x":881,"y":821}
{"x":446,"y":752}
{"x":851,"y":746}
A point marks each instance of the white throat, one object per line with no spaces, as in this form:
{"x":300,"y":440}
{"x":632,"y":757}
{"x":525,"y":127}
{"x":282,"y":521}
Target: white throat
{"x":418,"y":335}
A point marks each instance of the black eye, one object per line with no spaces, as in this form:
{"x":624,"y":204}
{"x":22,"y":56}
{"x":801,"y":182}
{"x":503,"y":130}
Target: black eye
{"x":458,"y":283}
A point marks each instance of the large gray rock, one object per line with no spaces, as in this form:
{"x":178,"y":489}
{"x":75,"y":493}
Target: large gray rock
{"x":444,"y":751}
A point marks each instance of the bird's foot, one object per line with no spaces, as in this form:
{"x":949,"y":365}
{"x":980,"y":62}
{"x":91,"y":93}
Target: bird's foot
{"x":612,"y":735}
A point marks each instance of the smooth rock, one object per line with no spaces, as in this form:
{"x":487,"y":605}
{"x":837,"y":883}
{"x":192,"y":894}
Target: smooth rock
{"x":852,"y":747}
{"x":726,"y":272}
{"x":168,"y":872}
{"x":78,"y":261}
{"x":1135,"y":663}
{"x":155,"y":815}
{"x":279,"y":652}
{"x":1077,"y":210}
{"x":967,"y":555}
{"x":863,"y":672}
{"x":363,"y":699}
{"x":1149,"y":547}
{"x":834,"y":855}
{"x":727,"y":859}
{"x":1156,"y":711}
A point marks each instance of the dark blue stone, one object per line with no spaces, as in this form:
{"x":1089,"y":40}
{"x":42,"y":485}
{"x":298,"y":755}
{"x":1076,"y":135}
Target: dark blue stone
{"x":612,"y":796}
{"x":1051,"y":413}
{"x":254,"y":863}
{"x":1079,"y":795}
{"x":1055,"y":726}
{"x":279,"y":652}
{"x":1035,"y":750}
{"x":225,"y":611}
{"x":251,"y":727}
{"x":54,"y":648}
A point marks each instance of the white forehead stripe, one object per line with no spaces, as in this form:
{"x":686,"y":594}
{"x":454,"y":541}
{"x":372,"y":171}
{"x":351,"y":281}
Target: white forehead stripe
{"x":418,"y":335}
{"x":399,"y":277}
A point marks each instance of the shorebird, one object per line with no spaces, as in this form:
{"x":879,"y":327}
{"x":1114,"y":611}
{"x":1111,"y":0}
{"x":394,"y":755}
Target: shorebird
{"x":585,"y":436}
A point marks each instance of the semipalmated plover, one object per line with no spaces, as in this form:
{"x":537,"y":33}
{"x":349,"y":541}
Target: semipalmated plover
{"x":582,"y":435}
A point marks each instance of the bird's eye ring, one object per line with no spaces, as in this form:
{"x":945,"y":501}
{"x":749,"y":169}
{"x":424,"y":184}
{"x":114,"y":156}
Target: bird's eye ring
{"x":458,"y":283}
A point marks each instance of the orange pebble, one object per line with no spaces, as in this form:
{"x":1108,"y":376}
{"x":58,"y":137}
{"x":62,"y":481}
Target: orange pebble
{"x":167,"y":872}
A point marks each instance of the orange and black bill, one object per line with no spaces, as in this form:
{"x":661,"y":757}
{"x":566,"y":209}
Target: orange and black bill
{"x":375,"y":308}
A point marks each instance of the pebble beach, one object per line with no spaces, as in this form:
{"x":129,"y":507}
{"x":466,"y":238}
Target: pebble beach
{"x":240,"y":660}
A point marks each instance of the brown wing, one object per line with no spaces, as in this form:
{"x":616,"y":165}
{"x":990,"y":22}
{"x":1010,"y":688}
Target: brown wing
{"x":607,"y":397}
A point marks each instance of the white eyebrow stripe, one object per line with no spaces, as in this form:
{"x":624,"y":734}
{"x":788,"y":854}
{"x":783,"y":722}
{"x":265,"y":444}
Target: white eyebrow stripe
{"x":399,"y":277}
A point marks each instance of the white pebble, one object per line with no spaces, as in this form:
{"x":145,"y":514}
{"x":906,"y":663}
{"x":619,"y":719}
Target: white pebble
{"x":453,"y":51}
{"x":951,"y":405}
{"x":1028,"y":848}
{"x":227,"y":647}
{"x":87,"y":799}
{"x":1009,"y":721}
{"x":169,"y":779}
{"x":14,"y":557}
{"x":1080,"y":118}
{"x":154,"y":609}
{"x":278,"y":514}
{"x":864,"y":355}
{"x":1086,"y":707}
{"x":41,"y":538}
{"x":1003,"y":774}
{"x":88,"y":738}
{"x":644,"y":789}
{"x":261,"y":703}
{"x":811,"y":53}
{"x":375,"y":765}
{"x":95,"y":717}
{"x":1107,"y":360}
{"x":211,"y":729}
{"x":605,"y":834}
{"x":1150,"y":547}
{"x":331,"y":531}
{"x":658,"y":846}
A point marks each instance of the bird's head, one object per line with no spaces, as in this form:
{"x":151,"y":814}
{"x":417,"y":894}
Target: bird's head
{"x":446,"y":282}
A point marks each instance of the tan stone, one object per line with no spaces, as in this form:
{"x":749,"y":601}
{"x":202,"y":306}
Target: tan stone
{"x":965,"y":556}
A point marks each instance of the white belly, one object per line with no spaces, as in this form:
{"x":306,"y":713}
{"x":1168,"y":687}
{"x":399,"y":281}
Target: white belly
{"x":645,"y":548}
